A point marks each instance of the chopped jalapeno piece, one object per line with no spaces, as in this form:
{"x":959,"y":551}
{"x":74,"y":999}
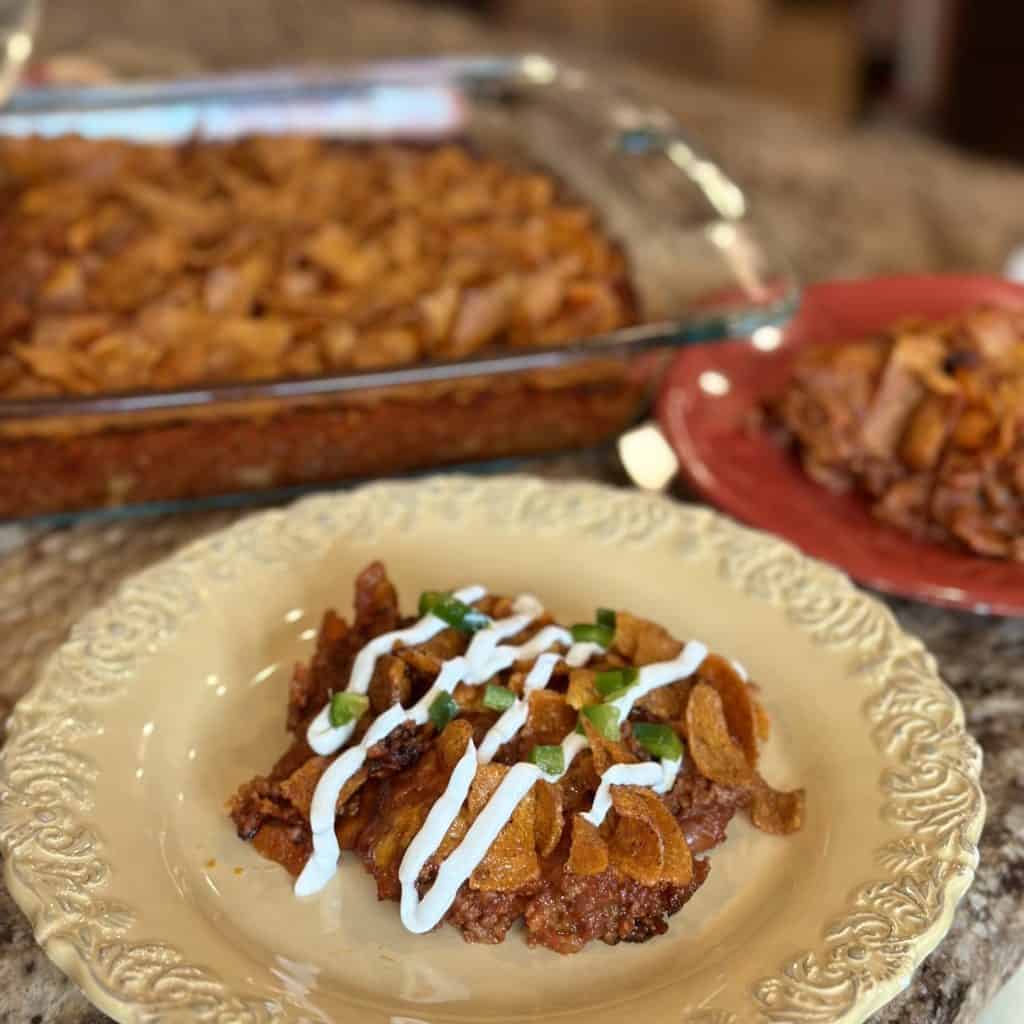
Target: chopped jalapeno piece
{"x":442,"y":710}
{"x":548,"y":759}
{"x":498,"y":698}
{"x":606,"y":617}
{"x":592,"y":633}
{"x":347,"y":707}
{"x":658,"y":740}
{"x":450,"y":609}
{"x":612,"y":683}
{"x":604,"y":719}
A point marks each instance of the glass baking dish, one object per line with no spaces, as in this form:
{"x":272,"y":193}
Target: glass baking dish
{"x":700,"y":267}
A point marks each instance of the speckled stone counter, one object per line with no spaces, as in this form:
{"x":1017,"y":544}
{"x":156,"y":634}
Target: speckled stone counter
{"x":842,"y":204}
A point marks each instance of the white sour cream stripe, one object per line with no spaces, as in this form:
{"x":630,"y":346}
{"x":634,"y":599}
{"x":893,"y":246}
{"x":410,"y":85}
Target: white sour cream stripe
{"x":514,"y":717}
{"x":661,"y":673}
{"x":421,"y":915}
{"x":325,"y":738}
{"x":322,"y":812}
{"x":657,"y":775}
{"x":484,"y":658}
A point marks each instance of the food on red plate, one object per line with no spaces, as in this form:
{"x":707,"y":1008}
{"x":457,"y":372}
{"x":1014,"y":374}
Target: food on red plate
{"x":488,"y":766}
{"x":927,"y":421}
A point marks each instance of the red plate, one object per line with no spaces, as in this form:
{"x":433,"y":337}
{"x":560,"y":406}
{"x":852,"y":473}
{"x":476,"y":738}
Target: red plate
{"x":705,"y":406}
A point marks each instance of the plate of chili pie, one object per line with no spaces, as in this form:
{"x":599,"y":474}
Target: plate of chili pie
{"x":882,"y":430}
{"x":489,"y":749}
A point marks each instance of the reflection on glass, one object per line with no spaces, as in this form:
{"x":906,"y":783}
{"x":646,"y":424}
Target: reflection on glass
{"x":712,"y":382}
{"x":767,"y":338}
{"x":18,"y":22}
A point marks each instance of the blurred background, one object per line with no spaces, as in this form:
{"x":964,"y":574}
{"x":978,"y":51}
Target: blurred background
{"x":949,"y":68}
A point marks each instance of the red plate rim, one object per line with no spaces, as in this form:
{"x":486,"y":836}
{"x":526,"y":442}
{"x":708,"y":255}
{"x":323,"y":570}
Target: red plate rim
{"x":710,"y":391}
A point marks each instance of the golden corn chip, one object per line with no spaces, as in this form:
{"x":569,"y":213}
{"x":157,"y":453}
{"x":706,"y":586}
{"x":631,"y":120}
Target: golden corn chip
{"x":764,"y":723}
{"x":423,"y":663}
{"x":390,"y":684}
{"x":358,"y":814}
{"x":298,"y":788}
{"x":515,"y":682}
{"x":426,"y":659}
{"x":677,"y":866}
{"x":667,"y":702}
{"x":451,"y":744}
{"x":455,"y":834}
{"x":548,"y":817}
{"x":643,"y":642}
{"x":736,"y":702}
{"x":577,"y":785}
{"x":716,"y":754}
{"x":487,"y":779}
{"x":606,"y":752}
{"x":511,"y":861}
{"x":774,"y":811}
{"x":550,"y":719}
{"x":636,"y":848}
{"x":469,"y":697}
{"x":276,"y":841}
{"x":641,"y":803}
{"x":500,"y":606}
{"x":581,"y":689}
{"x":588,"y":854}
{"x":404,"y":821}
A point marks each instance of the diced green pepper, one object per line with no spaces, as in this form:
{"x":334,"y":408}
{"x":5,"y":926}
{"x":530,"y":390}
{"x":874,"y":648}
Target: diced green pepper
{"x":450,"y":609}
{"x":498,"y":698}
{"x":347,"y":707}
{"x":658,"y":740}
{"x":550,"y":760}
{"x":592,"y":633}
{"x":615,"y":681}
{"x":604,"y":718}
{"x":443,"y":710}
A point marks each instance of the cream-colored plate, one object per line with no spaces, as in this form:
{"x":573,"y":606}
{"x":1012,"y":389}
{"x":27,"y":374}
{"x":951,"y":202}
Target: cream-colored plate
{"x":119,"y":763}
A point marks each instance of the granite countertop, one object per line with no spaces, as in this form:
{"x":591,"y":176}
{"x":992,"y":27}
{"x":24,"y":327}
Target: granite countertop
{"x":842,"y":204}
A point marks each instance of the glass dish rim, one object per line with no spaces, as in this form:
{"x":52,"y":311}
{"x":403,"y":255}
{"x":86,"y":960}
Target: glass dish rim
{"x":726,"y":320}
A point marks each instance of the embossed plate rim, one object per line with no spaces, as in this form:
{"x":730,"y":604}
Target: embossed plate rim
{"x":861,"y":961}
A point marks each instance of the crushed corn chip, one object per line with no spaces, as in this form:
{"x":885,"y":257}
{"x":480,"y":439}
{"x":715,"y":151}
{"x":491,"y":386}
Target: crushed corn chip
{"x":452,"y":742}
{"x":588,"y":854}
{"x":606,"y":752}
{"x":737,"y":705}
{"x":550,"y":719}
{"x":548,"y":817}
{"x":642,"y":805}
{"x":511,"y":861}
{"x":717,"y":755}
{"x":774,"y":811}
{"x":582,"y":691}
{"x":636,"y":848}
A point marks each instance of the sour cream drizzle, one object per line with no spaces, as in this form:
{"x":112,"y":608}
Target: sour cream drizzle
{"x":484,"y":658}
{"x":422,"y":915}
{"x":325,"y":738}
